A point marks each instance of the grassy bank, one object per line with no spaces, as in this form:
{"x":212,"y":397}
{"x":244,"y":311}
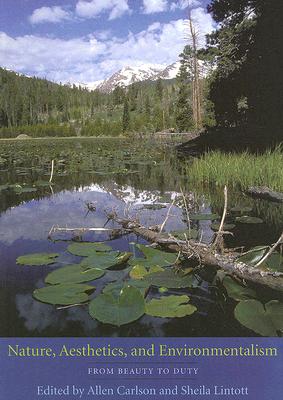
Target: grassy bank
{"x":239,"y":170}
{"x":58,"y":138}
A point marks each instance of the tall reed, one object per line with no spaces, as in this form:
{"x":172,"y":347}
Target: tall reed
{"x":239,"y":170}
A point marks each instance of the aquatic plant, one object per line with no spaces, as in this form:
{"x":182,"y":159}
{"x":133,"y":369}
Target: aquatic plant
{"x":238,"y":169}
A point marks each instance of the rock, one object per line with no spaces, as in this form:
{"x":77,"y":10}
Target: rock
{"x":262,"y":192}
{"x":23,"y":136}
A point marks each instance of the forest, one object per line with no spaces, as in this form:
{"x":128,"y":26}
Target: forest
{"x":241,"y":87}
{"x":40,"y":108}
{"x":114,"y":230}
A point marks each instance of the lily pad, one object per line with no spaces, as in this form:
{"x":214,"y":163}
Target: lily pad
{"x":122,"y":258}
{"x":86,"y":249}
{"x":119,"y":310}
{"x":190,"y":234}
{"x":155,"y":257}
{"x":170,"y":307}
{"x":139,"y":271}
{"x":73,"y":274}
{"x":275,"y":262}
{"x":116,"y":287}
{"x":204,"y":217}
{"x":66,"y":294}
{"x":170,"y":279}
{"x":104,"y":260}
{"x":241,"y":210}
{"x":253,"y":256}
{"x":266,"y":320}
{"x":226,"y":227}
{"x":154,"y":207}
{"x":15,"y":187}
{"x":26,"y":189}
{"x":237,"y":291}
{"x":141,"y":262}
{"x":43,"y":184}
{"x":245,"y":219}
{"x":37,"y":259}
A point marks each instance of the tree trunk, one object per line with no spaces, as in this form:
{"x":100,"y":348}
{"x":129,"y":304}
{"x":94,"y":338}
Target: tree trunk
{"x":206,"y":255}
{"x":197,"y":112}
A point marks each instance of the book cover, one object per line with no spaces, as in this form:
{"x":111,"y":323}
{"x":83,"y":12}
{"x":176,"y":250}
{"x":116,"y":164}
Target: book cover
{"x":141,"y":199}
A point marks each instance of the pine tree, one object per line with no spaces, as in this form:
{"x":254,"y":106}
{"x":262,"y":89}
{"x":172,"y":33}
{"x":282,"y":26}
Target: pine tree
{"x":147,"y":109}
{"x":249,"y":73}
{"x":184,"y":112}
{"x":126,"y":116}
{"x":159,"y":89}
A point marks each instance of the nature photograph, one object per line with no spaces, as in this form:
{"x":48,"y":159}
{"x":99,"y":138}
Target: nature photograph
{"x":141,"y":183}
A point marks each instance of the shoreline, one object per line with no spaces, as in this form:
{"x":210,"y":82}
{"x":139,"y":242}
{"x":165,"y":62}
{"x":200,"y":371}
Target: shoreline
{"x":158,"y":136}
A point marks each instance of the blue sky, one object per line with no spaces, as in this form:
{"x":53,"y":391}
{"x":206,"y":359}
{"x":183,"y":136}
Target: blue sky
{"x":87,"y":40}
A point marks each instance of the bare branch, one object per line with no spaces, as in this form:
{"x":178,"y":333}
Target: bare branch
{"x":167,"y":216}
{"x":279,"y":241}
{"x":187,"y":211}
{"x":79,"y":230}
{"x":52,"y":171}
{"x":220,"y":231}
{"x":71,"y":306}
{"x":58,"y":229}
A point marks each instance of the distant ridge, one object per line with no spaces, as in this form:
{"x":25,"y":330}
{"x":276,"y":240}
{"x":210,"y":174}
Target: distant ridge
{"x":129,"y":75}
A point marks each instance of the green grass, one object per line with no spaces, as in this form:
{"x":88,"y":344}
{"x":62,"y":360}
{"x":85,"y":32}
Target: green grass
{"x":239,"y":170}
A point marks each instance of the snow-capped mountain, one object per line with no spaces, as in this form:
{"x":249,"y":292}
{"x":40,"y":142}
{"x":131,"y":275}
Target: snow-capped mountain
{"x":170,"y":72}
{"x":88,"y":86}
{"x":128,"y":75}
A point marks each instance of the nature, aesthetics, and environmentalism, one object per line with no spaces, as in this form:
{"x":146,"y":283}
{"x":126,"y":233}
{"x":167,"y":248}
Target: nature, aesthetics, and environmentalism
{"x":141,"y":184}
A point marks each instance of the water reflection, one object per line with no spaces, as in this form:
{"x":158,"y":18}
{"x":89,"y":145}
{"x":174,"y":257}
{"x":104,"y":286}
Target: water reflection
{"x":33,"y":219}
{"x":114,"y":175}
{"x":44,"y":320}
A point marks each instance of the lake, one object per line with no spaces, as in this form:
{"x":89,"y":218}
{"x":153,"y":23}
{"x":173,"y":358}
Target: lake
{"x":93,"y":177}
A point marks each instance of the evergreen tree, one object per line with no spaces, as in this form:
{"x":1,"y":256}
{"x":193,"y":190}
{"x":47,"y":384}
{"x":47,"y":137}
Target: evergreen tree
{"x":147,"y":109}
{"x":159,"y":89}
{"x":126,"y":116}
{"x":118,"y":95}
{"x":132,"y":96}
{"x":38,"y":107}
{"x":247,"y":85}
{"x":184,"y":112}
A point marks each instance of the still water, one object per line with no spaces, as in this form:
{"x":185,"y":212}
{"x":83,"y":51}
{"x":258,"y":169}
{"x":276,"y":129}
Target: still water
{"x":110,"y":174}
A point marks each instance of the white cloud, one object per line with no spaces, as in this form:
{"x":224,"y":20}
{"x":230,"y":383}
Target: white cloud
{"x":121,"y":7}
{"x":103,"y":34}
{"x":183,"y":4}
{"x":49,"y":14}
{"x":95,"y":57}
{"x":55,"y":59}
{"x":154,"y":6}
{"x":203,"y":22}
{"x":159,"y":44}
{"x":93,"y":9}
